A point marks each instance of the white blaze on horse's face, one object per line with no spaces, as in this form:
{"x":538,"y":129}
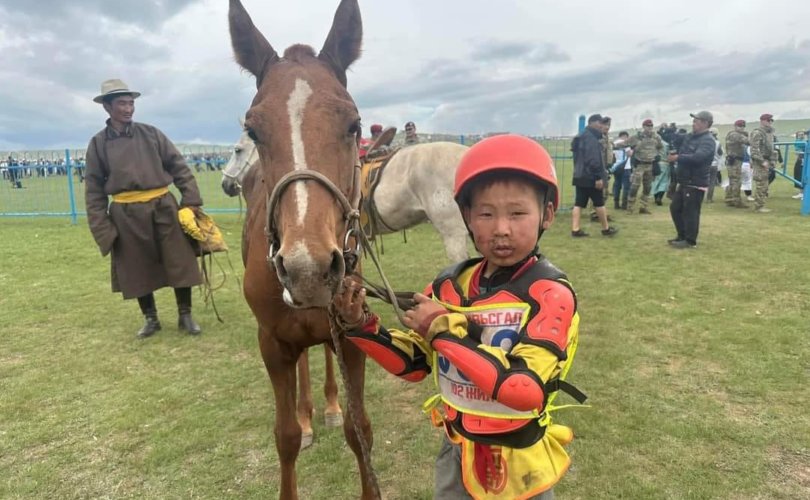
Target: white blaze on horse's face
{"x":296,"y":105}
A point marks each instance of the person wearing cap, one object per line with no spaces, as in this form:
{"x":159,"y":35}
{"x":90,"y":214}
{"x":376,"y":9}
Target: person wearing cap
{"x":736,"y":141}
{"x":497,"y":332}
{"x":693,"y":159}
{"x":590,"y":177}
{"x":762,"y":157}
{"x":647,"y":147}
{"x":134,"y":164}
{"x":410,"y":134}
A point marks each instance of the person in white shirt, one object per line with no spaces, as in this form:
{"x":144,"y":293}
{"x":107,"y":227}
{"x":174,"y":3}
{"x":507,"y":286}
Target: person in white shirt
{"x":621,"y":170}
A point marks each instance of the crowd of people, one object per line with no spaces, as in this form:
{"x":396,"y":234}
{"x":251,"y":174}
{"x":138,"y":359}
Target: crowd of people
{"x":683,"y":166}
{"x":15,"y":169}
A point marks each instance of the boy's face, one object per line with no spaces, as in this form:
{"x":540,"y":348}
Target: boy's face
{"x":504,"y":219}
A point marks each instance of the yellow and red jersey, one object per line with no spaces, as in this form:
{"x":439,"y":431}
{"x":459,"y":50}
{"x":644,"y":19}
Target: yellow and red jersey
{"x":498,"y":358}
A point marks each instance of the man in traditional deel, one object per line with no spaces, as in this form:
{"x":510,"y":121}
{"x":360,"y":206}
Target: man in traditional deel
{"x":131,"y":212}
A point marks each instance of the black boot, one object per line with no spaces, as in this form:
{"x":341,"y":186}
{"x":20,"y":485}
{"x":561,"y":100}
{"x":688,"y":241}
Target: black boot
{"x":184,"y":320}
{"x":149,"y":327}
{"x":624,"y":203}
{"x":152,"y":324}
{"x":187,"y":323}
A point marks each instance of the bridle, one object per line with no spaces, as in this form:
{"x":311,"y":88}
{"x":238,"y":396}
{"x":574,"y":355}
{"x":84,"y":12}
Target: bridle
{"x":350,"y":207}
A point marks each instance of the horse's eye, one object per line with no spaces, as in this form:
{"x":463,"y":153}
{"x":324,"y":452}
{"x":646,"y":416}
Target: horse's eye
{"x":252,"y":134}
{"x":354,"y":129}
{"x":237,"y":150}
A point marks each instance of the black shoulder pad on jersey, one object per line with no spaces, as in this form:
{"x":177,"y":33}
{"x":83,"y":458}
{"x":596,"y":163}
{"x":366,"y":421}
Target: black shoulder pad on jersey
{"x":543,"y":269}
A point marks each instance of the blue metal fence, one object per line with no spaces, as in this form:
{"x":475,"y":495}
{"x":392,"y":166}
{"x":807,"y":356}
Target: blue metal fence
{"x":51,"y":183}
{"x":46,"y":185}
{"x":801,"y":149}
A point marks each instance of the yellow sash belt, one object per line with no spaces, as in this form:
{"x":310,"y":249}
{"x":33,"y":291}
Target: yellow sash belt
{"x":139,"y":196}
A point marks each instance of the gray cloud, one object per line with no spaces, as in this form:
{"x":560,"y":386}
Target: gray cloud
{"x":525,"y":51}
{"x":497,"y":72}
{"x":65,"y":15}
{"x":472,"y":91}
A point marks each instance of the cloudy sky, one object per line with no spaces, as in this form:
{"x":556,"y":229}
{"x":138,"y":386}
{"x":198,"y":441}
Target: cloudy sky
{"x":455,"y":66}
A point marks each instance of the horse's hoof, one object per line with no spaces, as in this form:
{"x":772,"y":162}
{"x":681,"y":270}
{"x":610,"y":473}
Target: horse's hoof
{"x":306,"y":440}
{"x":333,"y":419}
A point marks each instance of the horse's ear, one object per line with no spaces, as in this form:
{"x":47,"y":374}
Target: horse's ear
{"x":253,"y":52}
{"x":342,"y":46}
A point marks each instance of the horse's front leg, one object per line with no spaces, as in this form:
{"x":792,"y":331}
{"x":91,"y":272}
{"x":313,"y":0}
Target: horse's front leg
{"x":305,"y":405}
{"x":332,"y":414}
{"x":280,"y":362}
{"x":355,"y":361}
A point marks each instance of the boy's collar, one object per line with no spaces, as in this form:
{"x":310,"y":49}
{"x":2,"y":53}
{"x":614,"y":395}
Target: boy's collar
{"x":501,"y":276}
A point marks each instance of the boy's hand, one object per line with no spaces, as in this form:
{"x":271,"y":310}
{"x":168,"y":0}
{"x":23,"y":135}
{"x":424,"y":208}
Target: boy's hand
{"x":349,"y":302}
{"x":422,"y":314}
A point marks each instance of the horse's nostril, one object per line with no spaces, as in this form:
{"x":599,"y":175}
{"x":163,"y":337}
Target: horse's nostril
{"x":278,"y":263}
{"x":338,"y":266}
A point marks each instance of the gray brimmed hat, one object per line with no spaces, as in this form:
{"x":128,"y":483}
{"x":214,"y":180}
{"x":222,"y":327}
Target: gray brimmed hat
{"x":703,"y":115}
{"x":114,"y":87}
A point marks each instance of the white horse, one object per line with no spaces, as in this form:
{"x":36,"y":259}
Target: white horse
{"x":416,"y":187}
{"x":244,"y":156}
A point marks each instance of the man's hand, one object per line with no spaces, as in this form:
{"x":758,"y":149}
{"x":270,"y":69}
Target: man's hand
{"x":422,"y":314}
{"x":599,"y":184}
{"x":672,"y":157}
{"x":349,"y":302}
{"x":766,"y":164}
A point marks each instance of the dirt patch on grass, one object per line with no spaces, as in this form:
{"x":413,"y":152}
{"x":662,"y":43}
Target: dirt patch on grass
{"x":790,"y":468}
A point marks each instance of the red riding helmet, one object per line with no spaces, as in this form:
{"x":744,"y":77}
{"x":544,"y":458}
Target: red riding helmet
{"x":507,"y":152}
{"x":376,"y":128}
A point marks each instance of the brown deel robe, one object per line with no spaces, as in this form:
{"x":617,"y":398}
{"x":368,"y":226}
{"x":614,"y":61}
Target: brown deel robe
{"x":149,"y":248}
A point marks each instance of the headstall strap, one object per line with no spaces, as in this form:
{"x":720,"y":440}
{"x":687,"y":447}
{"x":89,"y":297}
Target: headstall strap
{"x":351,"y":211}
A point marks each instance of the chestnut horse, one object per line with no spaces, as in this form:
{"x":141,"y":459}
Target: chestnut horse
{"x":305,"y":126}
{"x":248,"y":180}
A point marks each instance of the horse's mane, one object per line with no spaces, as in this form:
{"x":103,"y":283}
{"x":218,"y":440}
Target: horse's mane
{"x":299,"y":53}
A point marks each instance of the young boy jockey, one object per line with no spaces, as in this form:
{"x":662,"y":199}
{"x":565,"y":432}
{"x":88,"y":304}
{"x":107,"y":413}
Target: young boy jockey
{"x":498,"y":332}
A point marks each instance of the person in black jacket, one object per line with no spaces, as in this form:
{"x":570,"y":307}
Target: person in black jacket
{"x":590,"y":176}
{"x":693,"y":159}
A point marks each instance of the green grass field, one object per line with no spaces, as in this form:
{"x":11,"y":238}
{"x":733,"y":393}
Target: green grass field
{"x":697,"y":365}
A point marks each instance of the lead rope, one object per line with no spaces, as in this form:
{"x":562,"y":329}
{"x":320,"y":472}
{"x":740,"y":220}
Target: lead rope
{"x":335,"y":329}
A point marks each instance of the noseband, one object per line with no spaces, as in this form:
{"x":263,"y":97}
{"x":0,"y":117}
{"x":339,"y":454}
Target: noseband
{"x":351,"y":211}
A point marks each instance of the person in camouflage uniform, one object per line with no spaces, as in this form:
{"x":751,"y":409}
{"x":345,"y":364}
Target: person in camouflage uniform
{"x":647,"y":147}
{"x":736,"y":140}
{"x":607,"y":149}
{"x":762,"y":155}
{"x":410,"y":134}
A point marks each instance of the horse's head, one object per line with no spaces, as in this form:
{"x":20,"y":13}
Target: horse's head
{"x":304,"y":123}
{"x":243,"y":157}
